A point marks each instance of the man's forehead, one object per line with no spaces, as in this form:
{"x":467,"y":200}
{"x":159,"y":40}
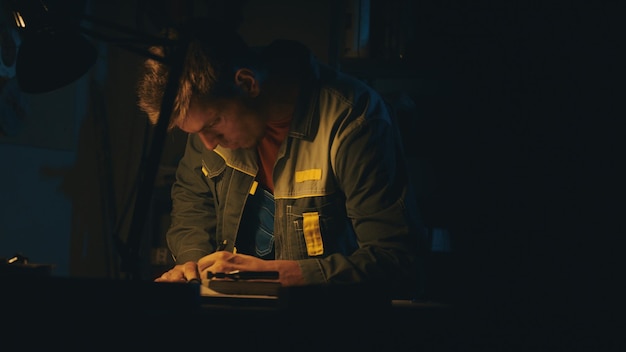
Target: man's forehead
{"x":198,"y":116}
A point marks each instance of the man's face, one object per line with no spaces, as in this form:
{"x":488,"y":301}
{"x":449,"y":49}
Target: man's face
{"x":226,"y":122}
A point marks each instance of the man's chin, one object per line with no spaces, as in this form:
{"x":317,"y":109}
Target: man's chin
{"x":231,"y":146}
{"x":235,"y":146}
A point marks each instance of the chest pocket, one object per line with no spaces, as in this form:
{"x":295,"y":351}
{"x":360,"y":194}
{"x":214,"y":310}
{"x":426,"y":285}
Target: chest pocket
{"x":319,"y":231}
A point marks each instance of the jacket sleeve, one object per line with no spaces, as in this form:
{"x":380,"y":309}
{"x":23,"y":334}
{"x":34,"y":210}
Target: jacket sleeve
{"x":193,"y":221}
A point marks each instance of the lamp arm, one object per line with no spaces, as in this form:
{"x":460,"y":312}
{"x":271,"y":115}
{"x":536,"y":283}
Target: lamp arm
{"x":147,"y":175}
{"x":131,"y":40}
{"x":136,"y":46}
{"x":110,"y":25}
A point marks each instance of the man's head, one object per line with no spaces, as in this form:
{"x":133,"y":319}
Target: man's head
{"x":213,"y":57}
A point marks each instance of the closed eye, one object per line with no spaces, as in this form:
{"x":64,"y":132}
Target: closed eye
{"x":212,"y":124}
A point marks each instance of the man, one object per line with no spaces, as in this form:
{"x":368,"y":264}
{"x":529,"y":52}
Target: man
{"x":289,"y":167}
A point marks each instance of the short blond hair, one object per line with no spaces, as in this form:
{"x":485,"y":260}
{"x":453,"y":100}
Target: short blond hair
{"x":212,"y":56}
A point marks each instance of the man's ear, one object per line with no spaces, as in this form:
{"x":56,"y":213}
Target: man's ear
{"x":247,"y":81}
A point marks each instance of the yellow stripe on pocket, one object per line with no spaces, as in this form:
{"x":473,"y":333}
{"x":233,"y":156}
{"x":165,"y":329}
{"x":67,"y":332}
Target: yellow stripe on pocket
{"x":308,"y":175}
{"x":312,"y":233}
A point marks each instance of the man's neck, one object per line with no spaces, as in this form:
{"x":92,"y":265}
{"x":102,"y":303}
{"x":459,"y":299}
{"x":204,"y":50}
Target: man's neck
{"x":282,"y":98}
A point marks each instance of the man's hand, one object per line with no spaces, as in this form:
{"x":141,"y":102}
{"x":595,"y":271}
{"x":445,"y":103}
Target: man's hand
{"x":289,"y":272}
{"x":180,"y":273}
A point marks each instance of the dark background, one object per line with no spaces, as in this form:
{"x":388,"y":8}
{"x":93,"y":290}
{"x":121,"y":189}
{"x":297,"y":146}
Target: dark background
{"x":511,"y":113}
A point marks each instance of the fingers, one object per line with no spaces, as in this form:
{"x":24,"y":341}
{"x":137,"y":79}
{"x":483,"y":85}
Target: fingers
{"x":215,"y":260}
{"x":171,"y":276}
{"x":220,"y":261}
{"x":180,"y":273}
{"x":190,"y":270}
{"x":223,"y":261}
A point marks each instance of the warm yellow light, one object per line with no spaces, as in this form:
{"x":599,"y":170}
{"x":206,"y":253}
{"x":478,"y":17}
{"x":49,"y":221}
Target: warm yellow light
{"x":19,"y":20}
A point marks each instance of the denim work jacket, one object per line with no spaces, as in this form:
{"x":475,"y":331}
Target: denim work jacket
{"x":344,"y":205}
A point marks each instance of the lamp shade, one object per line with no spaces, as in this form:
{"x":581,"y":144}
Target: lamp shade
{"x":50,"y":59}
